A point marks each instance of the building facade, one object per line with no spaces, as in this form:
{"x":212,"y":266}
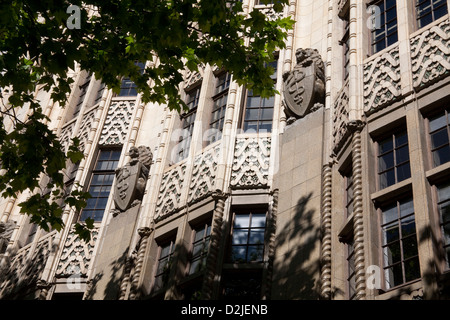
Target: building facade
{"x":338,"y":188}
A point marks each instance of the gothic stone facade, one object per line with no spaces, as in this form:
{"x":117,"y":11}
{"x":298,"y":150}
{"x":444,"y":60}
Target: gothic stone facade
{"x":335,"y":189}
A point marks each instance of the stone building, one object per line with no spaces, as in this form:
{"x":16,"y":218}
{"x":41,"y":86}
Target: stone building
{"x":338,"y":188}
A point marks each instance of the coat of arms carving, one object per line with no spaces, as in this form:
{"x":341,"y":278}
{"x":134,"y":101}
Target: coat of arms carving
{"x":131,"y":179}
{"x":304,"y":86}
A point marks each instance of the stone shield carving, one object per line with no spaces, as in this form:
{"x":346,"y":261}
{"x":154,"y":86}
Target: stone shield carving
{"x":304,"y":86}
{"x":131,"y":179}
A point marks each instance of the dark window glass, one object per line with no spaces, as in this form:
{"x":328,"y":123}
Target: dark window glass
{"x":428,"y":11}
{"x":127,"y":87}
{"x":393,"y":159}
{"x":443,"y":191}
{"x":399,"y":243}
{"x":220,"y":104}
{"x":351,"y":271}
{"x":163,"y":264}
{"x":247,"y":240}
{"x":200,"y":246}
{"x":258,"y":114}
{"x":101,"y":183}
{"x":187,"y":124}
{"x":384,"y":32}
{"x":439,"y":137}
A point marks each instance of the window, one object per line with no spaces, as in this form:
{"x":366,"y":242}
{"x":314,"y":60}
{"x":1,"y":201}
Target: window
{"x":393,"y":159}
{"x":83,"y":89}
{"x":428,"y":11}
{"x":127,"y":87}
{"x":200,"y":246}
{"x":399,"y":243}
{"x":345,"y":42}
{"x":258,"y":113}
{"x":164,"y":262}
{"x":101,"y":183}
{"x":443,"y":191}
{"x":99,"y":95}
{"x":349,"y":192}
{"x":439,"y":129}
{"x":220,"y":104}
{"x":187,"y":123}
{"x":351,"y":270}
{"x":244,"y":284}
{"x":384,"y":32}
{"x":247,"y":239}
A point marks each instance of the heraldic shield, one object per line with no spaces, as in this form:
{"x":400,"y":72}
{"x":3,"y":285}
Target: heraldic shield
{"x":304,"y":86}
{"x":126,"y":187}
{"x":299,"y":91}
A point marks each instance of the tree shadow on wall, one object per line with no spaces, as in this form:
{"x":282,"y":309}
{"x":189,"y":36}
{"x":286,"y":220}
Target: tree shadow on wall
{"x":111,"y":289}
{"x":297,"y":268}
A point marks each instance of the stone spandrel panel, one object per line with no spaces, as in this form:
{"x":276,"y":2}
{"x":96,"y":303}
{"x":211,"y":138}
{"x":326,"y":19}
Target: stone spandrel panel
{"x":341,"y":118}
{"x":170,"y":191}
{"x":251,"y":163}
{"x":76,"y":255}
{"x":26,"y":266}
{"x":204,"y":174}
{"x":117,"y":122}
{"x":382,"y":84}
{"x":430,"y":54}
{"x":66,"y":134}
{"x":85,"y":127}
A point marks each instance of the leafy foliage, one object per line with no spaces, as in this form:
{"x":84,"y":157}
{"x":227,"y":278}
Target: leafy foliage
{"x":37,"y":50}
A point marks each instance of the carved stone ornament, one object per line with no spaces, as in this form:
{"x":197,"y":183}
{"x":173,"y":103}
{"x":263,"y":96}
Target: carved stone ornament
{"x":304,"y":86}
{"x":131,"y":179}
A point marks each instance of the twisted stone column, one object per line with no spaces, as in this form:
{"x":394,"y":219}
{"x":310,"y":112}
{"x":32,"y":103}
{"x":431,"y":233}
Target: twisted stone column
{"x":325,"y":258}
{"x":272,"y":228}
{"x":358,"y":218}
{"x":214,"y":246}
{"x":144,"y":233}
{"x":126,"y":278}
{"x":43,"y":286}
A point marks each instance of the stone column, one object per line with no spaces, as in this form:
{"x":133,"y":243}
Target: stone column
{"x":271,"y":228}
{"x":126,"y":278}
{"x":144,"y":233}
{"x":214,"y":246}
{"x":358,"y":218}
{"x":325,"y":257}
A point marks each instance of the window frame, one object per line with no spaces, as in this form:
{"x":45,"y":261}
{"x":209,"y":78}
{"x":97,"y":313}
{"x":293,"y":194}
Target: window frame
{"x":188,"y":122}
{"x":221,"y":91}
{"x":205,"y":241}
{"x":259,"y":120}
{"x":431,"y":150}
{"x":432,"y":12}
{"x":250,"y":211}
{"x":404,"y":198}
{"x":373,"y":40}
{"x":379,"y":154}
{"x":171,"y":242}
{"x":99,"y":172}
{"x":440,"y":223}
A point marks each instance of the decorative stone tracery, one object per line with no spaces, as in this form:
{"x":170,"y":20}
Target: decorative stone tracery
{"x":117,"y":122}
{"x":76,"y":255}
{"x":204,"y":174}
{"x":382,"y":80}
{"x":251,"y":162}
{"x":430,"y":54}
{"x":170,"y":190}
